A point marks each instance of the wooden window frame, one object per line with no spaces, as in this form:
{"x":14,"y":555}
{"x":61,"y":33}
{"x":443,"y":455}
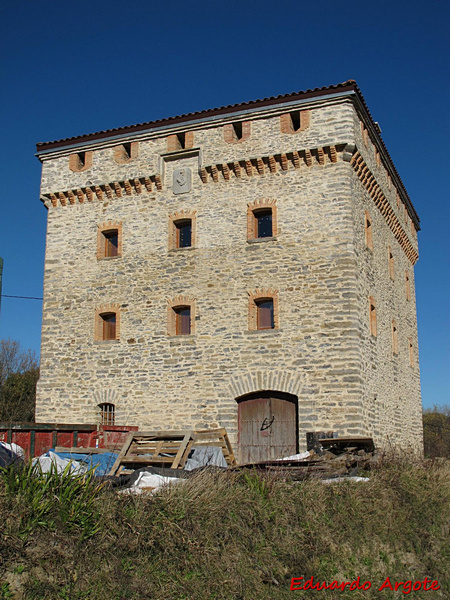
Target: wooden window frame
{"x":368,"y":228}
{"x":253,"y":209}
{"x":102,"y":246}
{"x":372,"y":316}
{"x":259,"y":315}
{"x":109,"y":326}
{"x":258,"y":296}
{"x":176,"y":218}
{"x":180,"y":324}
{"x":178,"y":226}
{"x":173,"y":322}
{"x":99,"y":328}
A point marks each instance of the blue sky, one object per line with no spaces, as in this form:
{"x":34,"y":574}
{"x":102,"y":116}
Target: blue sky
{"x":69,"y":68}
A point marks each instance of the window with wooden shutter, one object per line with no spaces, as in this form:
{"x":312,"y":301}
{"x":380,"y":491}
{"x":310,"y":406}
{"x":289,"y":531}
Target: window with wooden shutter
{"x":111,"y":243}
{"x":109,"y":240}
{"x":109,"y":326}
{"x":265,"y":314}
{"x":263,"y":309}
{"x":182,"y":320}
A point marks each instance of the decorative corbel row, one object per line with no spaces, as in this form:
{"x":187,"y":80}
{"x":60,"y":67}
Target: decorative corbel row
{"x":271,"y":164}
{"x":381,"y":202}
{"x":90,"y":193}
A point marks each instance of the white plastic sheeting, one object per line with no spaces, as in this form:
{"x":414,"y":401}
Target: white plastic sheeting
{"x":342,"y":479}
{"x":46,"y":463}
{"x":14,"y":448}
{"x":150,"y":482}
{"x":301,"y":456}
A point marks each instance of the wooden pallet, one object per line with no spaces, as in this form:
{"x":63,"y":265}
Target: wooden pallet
{"x":167,"y":448}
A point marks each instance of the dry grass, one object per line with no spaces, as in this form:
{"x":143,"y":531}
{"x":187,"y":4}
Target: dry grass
{"x":236,"y":536}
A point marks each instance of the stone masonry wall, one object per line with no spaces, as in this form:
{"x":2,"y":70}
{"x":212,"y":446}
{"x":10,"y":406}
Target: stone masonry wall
{"x":322,"y":352}
{"x":391,"y":396}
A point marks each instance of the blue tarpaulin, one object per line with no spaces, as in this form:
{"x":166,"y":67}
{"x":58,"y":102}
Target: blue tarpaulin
{"x":102,"y":462}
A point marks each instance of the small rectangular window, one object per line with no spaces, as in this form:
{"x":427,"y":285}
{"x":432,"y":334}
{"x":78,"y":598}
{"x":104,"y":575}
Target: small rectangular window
{"x":109,"y":326}
{"x":391,"y":263}
{"x":81,"y":159}
{"x":263,"y":220}
{"x":265,"y":315}
{"x":368,"y":231}
{"x":372,"y":317}
{"x":394,"y":337}
{"x":408,"y":286}
{"x":181,"y":140}
{"x":237,"y":127}
{"x":183,"y":320}
{"x":411,"y":352}
{"x":107,"y":413}
{"x":295,"y":119}
{"x":184,"y":233}
{"x":111,"y":243}
{"x":127,"y":150}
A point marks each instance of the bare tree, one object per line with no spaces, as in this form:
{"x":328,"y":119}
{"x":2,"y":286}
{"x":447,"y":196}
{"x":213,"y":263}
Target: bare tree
{"x":19,"y":372}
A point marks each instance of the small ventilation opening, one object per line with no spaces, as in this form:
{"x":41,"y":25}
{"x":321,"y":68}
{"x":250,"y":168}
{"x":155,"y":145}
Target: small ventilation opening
{"x":81,"y":159}
{"x":181,"y":140}
{"x":238,"y":130}
{"x":127,"y":149}
{"x":295,"y":118}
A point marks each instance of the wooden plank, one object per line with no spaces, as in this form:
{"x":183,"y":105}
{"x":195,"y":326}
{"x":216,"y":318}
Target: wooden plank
{"x":81,"y":450}
{"x":149,"y":460}
{"x":186,"y":454}
{"x":182,"y":449}
{"x":122,"y":453}
{"x":169,"y":448}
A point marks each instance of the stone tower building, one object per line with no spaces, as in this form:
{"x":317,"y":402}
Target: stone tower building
{"x":248,"y":267}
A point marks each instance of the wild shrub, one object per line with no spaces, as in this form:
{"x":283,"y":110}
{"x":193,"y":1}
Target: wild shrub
{"x":51,"y":499}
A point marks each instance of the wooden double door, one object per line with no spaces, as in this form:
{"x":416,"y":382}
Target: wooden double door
{"x":268,"y":428}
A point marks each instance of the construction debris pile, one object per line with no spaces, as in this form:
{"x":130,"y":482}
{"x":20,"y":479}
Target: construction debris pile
{"x":331,"y":458}
{"x":149,"y":460}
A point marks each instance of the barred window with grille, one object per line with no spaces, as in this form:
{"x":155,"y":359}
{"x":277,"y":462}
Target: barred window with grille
{"x":107,"y":413}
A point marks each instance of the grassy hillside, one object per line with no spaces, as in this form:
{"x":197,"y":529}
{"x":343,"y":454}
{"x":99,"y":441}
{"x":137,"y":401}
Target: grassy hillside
{"x":225,"y":536}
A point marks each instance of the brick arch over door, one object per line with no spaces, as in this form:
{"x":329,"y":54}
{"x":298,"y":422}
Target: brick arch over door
{"x":267,"y":426}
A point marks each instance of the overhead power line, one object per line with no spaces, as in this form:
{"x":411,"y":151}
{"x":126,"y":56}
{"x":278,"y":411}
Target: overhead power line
{"x":23,"y":297}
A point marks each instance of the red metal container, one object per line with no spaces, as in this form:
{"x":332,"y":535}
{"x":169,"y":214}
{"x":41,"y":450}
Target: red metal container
{"x":38,"y":438}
